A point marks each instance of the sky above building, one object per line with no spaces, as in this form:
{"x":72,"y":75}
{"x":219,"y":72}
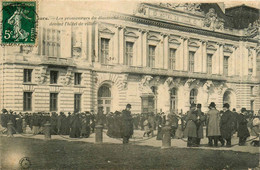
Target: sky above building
{"x":81,"y":8}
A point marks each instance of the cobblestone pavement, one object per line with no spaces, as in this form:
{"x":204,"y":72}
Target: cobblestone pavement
{"x":138,"y":139}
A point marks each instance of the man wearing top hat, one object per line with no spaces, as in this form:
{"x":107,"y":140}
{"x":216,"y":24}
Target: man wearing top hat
{"x":226,"y":124}
{"x":127,"y":124}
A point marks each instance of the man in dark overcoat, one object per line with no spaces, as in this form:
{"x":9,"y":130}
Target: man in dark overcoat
{"x":226,"y":124}
{"x":127,"y":124}
{"x":191,"y":126}
{"x":201,"y":118}
{"x":242,"y":131}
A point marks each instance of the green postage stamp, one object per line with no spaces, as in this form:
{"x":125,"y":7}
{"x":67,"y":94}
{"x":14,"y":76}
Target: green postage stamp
{"x":19,"y":22}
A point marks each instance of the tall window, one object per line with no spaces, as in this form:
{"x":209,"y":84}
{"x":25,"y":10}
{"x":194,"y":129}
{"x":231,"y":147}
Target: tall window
{"x":129,"y":53}
{"x":172,"y":58}
{"x":77,"y":78}
{"x":53,"y":101}
{"x":27,"y":75}
{"x":77,"y":102}
{"x":193,"y":96}
{"x":53,"y":77}
{"x":151,"y":56}
{"x":252,"y":90}
{"x":104,"y":51}
{"x":173,"y":100}
{"x":51,"y":42}
{"x":209,"y":63}
{"x":252,"y":105}
{"x":191,"y":61}
{"x":147,"y":104}
{"x":27,"y":101}
{"x":225,"y":65}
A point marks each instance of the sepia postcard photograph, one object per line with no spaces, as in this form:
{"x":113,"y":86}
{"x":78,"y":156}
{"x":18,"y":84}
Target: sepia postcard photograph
{"x":129,"y":85}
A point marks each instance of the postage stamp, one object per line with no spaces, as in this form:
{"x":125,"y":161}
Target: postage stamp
{"x":19,"y":22}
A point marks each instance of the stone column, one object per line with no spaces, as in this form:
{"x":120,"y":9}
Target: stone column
{"x":116,"y":45}
{"x":217,"y":62}
{"x":198,"y":58}
{"x":66,"y":43}
{"x":121,"y":45}
{"x":89,"y":36}
{"x":254,"y":62}
{"x":234,"y":61}
{"x":84,"y":48}
{"x":145,"y":48}
{"x":245,"y":61}
{"x":185,"y":54}
{"x":96,"y":55}
{"x":180,"y":56}
{"x":166,"y":52}
{"x":139,"y":48}
{"x":204,"y":56}
{"x":221,"y":58}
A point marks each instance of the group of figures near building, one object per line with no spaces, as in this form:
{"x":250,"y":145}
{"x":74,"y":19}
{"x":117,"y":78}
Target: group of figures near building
{"x":220,"y":125}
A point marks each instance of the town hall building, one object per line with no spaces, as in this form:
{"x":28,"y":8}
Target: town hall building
{"x":160,"y":58}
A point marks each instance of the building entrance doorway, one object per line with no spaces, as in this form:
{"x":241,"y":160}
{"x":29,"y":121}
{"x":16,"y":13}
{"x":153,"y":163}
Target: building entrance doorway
{"x":104,"y":98}
{"x":230,"y":98}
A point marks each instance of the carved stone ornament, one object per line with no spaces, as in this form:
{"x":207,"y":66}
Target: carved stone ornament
{"x":77,"y":44}
{"x":189,"y":82}
{"x":141,"y":10}
{"x":43,"y":75}
{"x":213,"y":21}
{"x":207,"y":85}
{"x":68,"y":77}
{"x":146,"y":80}
{"x":191,"y":7}
{"x":168,"y":81}
{"x":252,"y":28}
{"x":124,"y":82}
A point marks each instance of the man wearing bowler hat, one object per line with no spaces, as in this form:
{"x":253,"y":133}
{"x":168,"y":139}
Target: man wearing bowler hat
{"x":127,"y":124}
{"x":213,"y":129}
{"x":226,"y":127}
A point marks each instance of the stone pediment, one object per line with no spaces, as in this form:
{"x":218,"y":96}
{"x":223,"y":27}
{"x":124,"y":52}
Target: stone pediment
{"x":174,"y":41}
{"x":131,"y":34}
{"x":105,"y":30}
{"x":153,"y":37}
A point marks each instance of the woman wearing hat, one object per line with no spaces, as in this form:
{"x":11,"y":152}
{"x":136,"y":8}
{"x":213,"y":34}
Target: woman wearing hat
{"x":213,"y":128}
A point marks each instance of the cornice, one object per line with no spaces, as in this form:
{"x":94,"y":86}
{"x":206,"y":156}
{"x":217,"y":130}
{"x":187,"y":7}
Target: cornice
{"x":175,"y":26}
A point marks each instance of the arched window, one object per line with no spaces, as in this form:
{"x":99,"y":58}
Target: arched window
{"x":104,"y":98}
{"x":193,"y":96}
{"x":173,"y":99}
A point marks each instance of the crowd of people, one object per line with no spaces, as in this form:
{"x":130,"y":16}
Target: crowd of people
{"x":220,"y":125}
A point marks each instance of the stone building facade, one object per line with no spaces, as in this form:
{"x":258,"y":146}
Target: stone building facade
{"x":163,"y":57}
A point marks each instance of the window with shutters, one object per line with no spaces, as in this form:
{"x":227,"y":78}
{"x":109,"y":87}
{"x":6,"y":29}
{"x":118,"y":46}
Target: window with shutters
{"x":225,"y":65}
{"x":209,"y":63}
{"x":27,"y":75}
{"x":104,"y":51}
{"x":27,"y":101}
{"x":151,"y":56}
{"x":53,"y":101}
{"x":191,"y":61}
{"x":172,"y":58}
{"x":129,"y":54}
{"x":77,"y":102}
